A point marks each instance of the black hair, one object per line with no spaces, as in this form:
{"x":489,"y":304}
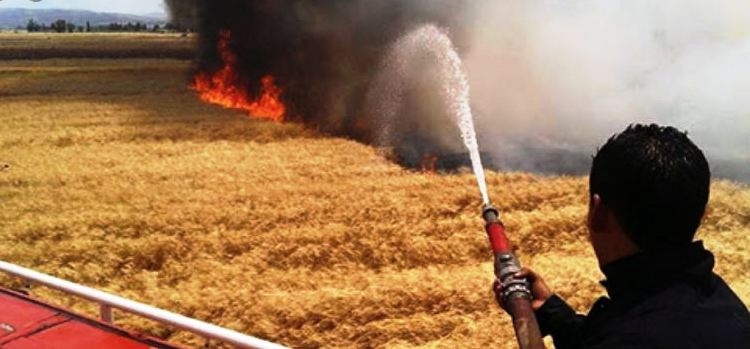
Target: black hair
{"x":656,"y":182}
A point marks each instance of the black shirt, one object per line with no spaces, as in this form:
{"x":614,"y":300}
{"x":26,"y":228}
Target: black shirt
{"x":665,"y":299}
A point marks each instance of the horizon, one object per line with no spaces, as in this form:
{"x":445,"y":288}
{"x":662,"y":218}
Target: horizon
{"x":134,"y":7}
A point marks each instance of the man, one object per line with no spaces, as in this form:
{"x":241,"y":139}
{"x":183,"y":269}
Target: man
{"x":648,"y":191}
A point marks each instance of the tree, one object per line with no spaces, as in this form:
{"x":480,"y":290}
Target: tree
{"x":59,"y":26}
{"x":33,"y":26}
{"x":115,"y":27}
{"x":88,"y":27}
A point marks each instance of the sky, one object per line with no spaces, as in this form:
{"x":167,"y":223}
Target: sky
{"x":122,"y":6}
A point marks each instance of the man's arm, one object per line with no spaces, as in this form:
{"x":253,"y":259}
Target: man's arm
{"x":558,"y":319}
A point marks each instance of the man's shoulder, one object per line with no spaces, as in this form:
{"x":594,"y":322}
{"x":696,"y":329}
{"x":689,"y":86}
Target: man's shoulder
{"x":691,"y":317}
{"x":693,"y":302}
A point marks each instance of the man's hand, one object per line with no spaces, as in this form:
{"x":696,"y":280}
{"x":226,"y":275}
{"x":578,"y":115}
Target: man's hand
{"x":539,"y":289}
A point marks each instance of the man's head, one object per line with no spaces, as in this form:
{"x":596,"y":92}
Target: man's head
{"x":649,"y":184}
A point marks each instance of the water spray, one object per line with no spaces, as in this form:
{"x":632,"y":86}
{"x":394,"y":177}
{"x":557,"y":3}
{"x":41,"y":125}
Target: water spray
{"x":516,"y":293}
{"x":386,"y":98}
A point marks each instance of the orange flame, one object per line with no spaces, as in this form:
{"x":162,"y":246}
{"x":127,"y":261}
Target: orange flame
{"x":428,"y":163}
{"x":224,"y":88}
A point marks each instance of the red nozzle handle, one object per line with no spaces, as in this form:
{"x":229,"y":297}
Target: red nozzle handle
{"x":498,"y":239}
{"x":495,"y":230}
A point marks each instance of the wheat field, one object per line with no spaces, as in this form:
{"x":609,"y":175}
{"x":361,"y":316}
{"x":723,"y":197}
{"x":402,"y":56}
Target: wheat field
{"x":121,"y":179}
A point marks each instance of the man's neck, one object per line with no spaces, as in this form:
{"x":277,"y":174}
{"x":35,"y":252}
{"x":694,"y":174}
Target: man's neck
{"x":644,"y":272}
{"x":618,"y":247}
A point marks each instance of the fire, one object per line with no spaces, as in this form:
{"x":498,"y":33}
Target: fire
{"x":223,"y":87}
{"x":428,"y":164}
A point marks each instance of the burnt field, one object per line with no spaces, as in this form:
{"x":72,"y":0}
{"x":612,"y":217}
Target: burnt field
{"x":120,"y":178}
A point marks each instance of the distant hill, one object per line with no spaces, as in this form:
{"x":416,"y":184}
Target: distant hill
{"x":15,"y":17}
{"x":156,"y":15}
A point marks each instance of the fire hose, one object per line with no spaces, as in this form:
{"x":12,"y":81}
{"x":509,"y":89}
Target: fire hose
{"x":516,"y":296}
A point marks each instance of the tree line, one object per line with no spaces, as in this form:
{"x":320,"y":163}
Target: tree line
{"x":63,"y":26}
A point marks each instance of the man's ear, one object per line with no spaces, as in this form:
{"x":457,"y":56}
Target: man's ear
{"x":597,"y":218}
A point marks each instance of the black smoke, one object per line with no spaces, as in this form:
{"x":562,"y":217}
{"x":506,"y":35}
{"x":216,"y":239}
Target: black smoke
{"x":324,"y":55}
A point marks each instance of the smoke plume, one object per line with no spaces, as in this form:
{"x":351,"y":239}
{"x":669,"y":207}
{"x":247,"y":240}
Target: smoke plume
{"x":550,"y":80}
{"x":183,"y":13}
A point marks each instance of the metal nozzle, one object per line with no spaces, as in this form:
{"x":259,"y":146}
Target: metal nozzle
{"x":490,"y":213}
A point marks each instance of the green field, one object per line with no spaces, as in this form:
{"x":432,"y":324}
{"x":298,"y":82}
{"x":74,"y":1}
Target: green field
{"x":121,"y":179}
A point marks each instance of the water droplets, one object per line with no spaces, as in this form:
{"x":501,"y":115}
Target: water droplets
{"x":387,"y":91}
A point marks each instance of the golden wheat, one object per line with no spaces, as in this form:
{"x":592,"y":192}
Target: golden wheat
{"x":122,"y":180}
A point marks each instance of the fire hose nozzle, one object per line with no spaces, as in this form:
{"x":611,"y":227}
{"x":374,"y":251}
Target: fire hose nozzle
{"x":516,"y":293}
{"x":490,"y":213}
{"x":495,"y":230}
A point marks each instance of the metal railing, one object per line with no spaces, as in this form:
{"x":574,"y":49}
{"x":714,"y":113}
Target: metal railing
{"x":107,"y":302}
